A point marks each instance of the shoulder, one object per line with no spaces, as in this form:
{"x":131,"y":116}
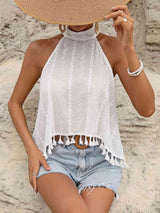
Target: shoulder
{"x":112,"y":49}
{"x":43,"y":44}
{"x":41,"y":49}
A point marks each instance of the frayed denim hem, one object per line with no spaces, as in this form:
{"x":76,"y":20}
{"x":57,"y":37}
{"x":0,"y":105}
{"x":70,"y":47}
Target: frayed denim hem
{"x":90,"y":188}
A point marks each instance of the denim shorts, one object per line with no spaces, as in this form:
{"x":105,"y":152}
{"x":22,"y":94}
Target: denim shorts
{"x":87,"y":167}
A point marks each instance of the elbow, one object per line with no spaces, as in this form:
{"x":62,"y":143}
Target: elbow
{"x":11,"y":105}
{"x":148,"y":109}
{"x":148,"y":113}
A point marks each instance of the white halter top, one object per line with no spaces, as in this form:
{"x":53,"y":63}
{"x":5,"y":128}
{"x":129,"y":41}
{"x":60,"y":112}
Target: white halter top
{"x":78,"y":97}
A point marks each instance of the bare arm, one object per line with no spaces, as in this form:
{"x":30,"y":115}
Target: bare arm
{"x":30,"y":72}
{"x":138,"y":88}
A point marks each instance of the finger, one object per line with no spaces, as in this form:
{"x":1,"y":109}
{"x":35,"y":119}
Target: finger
{"x":122,"y":7}
{"x":45,"y":164}
{"x":36,"y":188}
{"x":114,"y":19}
{"x":120,"y":21}
{"x":34,"y":182}
{"x":118,"y":13}
{"x":30,"y":176}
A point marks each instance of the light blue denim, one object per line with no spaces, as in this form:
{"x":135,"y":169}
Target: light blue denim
{"x":86,"y":167}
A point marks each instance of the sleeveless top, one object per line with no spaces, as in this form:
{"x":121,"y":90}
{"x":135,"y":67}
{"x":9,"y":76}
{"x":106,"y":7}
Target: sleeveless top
{"x":78,"y":97}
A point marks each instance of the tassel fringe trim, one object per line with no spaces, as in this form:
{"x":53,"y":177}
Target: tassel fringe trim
{"x":93,"y":141}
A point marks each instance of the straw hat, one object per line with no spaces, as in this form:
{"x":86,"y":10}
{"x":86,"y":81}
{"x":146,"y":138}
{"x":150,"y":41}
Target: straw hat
{"x":69,"y":12}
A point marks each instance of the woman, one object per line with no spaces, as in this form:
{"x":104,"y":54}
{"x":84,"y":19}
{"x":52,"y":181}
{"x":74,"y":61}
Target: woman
{"x":76,"y":128}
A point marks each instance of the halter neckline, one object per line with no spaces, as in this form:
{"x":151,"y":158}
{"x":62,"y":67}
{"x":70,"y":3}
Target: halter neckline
{"x":81,"y":35}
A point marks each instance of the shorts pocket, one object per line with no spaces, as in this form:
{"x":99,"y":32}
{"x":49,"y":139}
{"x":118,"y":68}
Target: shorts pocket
{"x":54,"y":150}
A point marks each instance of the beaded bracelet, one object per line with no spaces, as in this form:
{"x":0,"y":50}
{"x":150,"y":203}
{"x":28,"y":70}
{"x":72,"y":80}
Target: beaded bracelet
{"x":138,"y":71}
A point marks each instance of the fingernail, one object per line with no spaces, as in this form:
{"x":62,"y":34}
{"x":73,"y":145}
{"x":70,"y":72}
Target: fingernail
{"x":48,"y":168}
{"x":106,"y":16}
{"x":113,"y":7}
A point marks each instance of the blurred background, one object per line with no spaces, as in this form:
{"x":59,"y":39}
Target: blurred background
{"x":140,"y":186}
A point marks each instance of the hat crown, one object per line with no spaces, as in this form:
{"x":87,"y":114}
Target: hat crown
{"x":80,"y":35}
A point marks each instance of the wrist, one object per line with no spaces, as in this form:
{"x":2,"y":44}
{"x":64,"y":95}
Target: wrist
{"x":30,"y":147}
{"x":132,"y":58}
{"x":138,"y":71}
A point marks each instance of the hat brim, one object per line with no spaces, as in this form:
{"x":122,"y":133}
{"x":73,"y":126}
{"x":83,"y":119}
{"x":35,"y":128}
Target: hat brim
{"x":69,"y":12}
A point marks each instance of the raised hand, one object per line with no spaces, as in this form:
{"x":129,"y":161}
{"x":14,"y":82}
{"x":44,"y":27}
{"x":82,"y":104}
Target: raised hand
{"x":123,"y":24}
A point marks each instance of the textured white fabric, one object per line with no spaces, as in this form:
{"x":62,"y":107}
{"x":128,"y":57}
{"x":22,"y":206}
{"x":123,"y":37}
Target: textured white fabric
{"x":78,"y":97}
